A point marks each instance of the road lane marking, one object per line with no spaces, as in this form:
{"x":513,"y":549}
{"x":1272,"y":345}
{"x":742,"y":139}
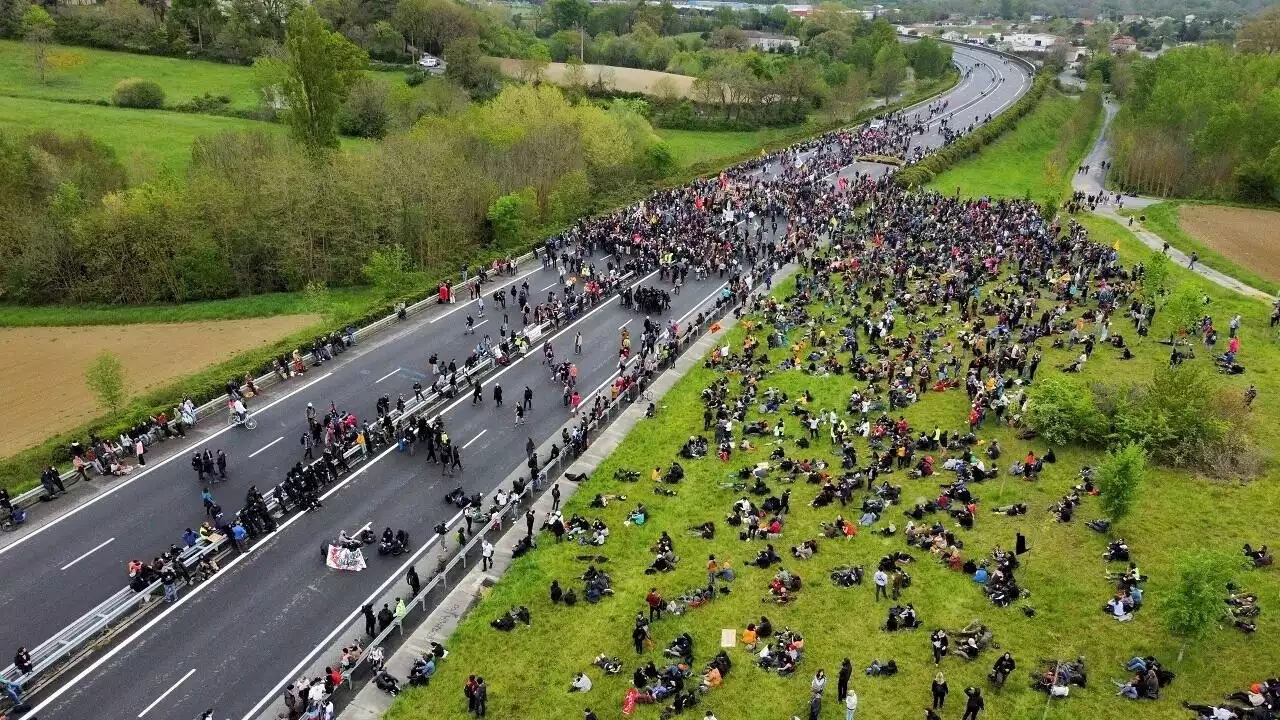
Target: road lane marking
{"x":164,"y":695}
{"x":477,"y":437}
{"x":549,"y":287}
{"x":624,"y":325}
{"x":384,"y":377}
{"x":116,"y":488}
{"x":93,"y":550}
{"x":264,"y":447}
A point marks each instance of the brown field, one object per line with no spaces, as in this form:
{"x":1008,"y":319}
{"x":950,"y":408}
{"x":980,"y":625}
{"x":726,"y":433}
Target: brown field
{"x":619,"y":78}
{"x":44,"y":384}
{"x":1246,"y":236}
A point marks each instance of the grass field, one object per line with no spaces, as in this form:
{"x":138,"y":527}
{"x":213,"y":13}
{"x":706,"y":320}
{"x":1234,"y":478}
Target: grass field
{"x":1034,"y":160}
{"x":1239,"y":242}
{"x":96,"y":77}
{"x":694,"y":146}
{"x":527,"y":670}
{"x":148,"y":142}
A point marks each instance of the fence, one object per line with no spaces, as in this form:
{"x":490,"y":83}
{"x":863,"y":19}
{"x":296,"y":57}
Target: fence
{"x":55,"y":654}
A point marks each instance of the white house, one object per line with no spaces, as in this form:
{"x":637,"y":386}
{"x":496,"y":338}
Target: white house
{"x":771,"y":42}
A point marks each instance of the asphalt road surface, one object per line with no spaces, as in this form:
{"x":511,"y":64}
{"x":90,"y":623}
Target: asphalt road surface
{"x":228,"y":642}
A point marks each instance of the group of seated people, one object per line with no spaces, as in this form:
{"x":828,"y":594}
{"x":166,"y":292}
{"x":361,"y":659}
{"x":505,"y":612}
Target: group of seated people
{"x":783,"y":653}
{"x":1243,"y":608}
{"x":1056,"y":676}
{"x":425,"y":667}
{"x":902,"y":618}
{"x":971,"y":640}
{"x":781,"y":587}
{"x":996,"y":577}
{"x":1148,"y":677}
{"x":507,"y":622}
{"x":393,"y":544}
{"x":1258,"y":702}
{"x":1129,"y":594}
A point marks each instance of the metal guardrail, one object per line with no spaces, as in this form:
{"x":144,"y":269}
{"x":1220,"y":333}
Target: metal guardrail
{"x":269,"y":379}
{"x":53,"y":653}
{"x":498,"y":521}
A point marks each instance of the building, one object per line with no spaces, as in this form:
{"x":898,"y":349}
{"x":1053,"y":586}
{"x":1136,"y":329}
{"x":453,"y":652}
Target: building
{"x":1030,"y":42}
{"x":770,"y":42}
{"x":1123,"y":44}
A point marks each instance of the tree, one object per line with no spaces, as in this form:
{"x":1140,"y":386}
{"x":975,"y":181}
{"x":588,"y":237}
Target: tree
{"x":1262,"y":33}
{"x":197,"y":13}
{"x":513,"y":216}
{"x":388,"y":271}
{"x":312,"y":75}
{"x":1183,"y":309}
{"x":1062,"y":410}
{"x":1155,"y":277}
{"x":1195,"y":605}
{"x":1119,"y":476}
{"x":846,"y":99}
{"x":466,"y":64}
{"x":728,"y":38}
{"x":567,"y":14}
{"x":889,"y":70}
{"x":37,"y":29}
{"x":105,"y":379}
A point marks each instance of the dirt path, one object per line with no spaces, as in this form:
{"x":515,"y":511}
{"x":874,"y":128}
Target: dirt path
{"x":44,"y":383}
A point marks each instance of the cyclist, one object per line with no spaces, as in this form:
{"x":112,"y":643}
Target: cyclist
{"x":237,"y":408}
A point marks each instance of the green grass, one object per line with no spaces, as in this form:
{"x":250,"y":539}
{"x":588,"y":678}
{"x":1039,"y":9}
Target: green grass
{"x":148,"y":142}
{"x":95,"y":78}
{"x":528,"y":669}
{"x":1162,"y":219}
{"x":1023,"y":163}
{"x":694,"y":146}
{"x":341,"y":302}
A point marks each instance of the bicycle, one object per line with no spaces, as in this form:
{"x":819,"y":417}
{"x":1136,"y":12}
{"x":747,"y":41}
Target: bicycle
{"x":248,"y":422}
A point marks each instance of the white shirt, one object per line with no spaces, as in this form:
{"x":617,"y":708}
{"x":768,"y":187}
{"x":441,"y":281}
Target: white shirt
{"x":851,"y":700}
{"x":880,"y":578}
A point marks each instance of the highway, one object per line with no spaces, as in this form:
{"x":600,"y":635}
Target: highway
{"x":227,"y":643}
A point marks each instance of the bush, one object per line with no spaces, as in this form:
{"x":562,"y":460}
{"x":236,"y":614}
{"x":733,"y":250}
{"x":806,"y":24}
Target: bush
{"x":1062,"y":410}
{"x":366,"y":112}
{"x":1177,"y":417}
{"x":138,"y":93}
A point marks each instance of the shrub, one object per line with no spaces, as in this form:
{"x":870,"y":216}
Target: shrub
{"x":1061,"y":409}
{"x":366,"y":112}
{"x":138,"y":93}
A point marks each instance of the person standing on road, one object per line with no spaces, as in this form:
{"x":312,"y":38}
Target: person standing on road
{"x":528,"y":398}
{"x":415,"y":585}
{"x":222,"y":464}
{"x":206,"y":498}
{"x":308,"y":446}
{"x":169,"y":579}
{"x":497,"y":394}
{"x":486,"y":555}
{"x":140,"y":450}
{"x":456,"y":461}
{"x":370,"y":622}
{"x":528,"y":521}
{"x":577,"y":343}
{"x":476,"y":397}
{"x":519,"y":415}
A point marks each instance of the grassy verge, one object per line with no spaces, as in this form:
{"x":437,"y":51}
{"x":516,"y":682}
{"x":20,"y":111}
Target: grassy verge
{"x":1063,"y":572}
{"x":1035,"y":160}
{"x":1162,"y":219}
{"x":690,"y":147}
{"x":342,"y":302}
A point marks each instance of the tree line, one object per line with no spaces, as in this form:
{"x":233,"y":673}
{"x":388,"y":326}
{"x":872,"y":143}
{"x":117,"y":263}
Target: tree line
{"x":1200,"y":122}
{"x":256,"y":213}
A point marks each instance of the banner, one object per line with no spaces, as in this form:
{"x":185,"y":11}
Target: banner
{"x":340,"y":558}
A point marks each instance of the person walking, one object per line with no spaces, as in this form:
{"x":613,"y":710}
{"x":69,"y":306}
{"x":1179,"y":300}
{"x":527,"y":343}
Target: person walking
{"x":415,"y":584}
{"x":519,"y":416}
{"x":939,"y":690}
{"x":206,"y":498}
{"x":497,"y":394}
{"x":850,"y":704}
{"x":842,"y":680}
{"x":973,"y":704}
{"x":528,"y":398}
{"x":308,"y":446}
{"x":222,"y":464}
{"x":455,"y":459}
{"x":486,"y":555}
{"x":555,"y":497}
{"x":476,"y":397}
